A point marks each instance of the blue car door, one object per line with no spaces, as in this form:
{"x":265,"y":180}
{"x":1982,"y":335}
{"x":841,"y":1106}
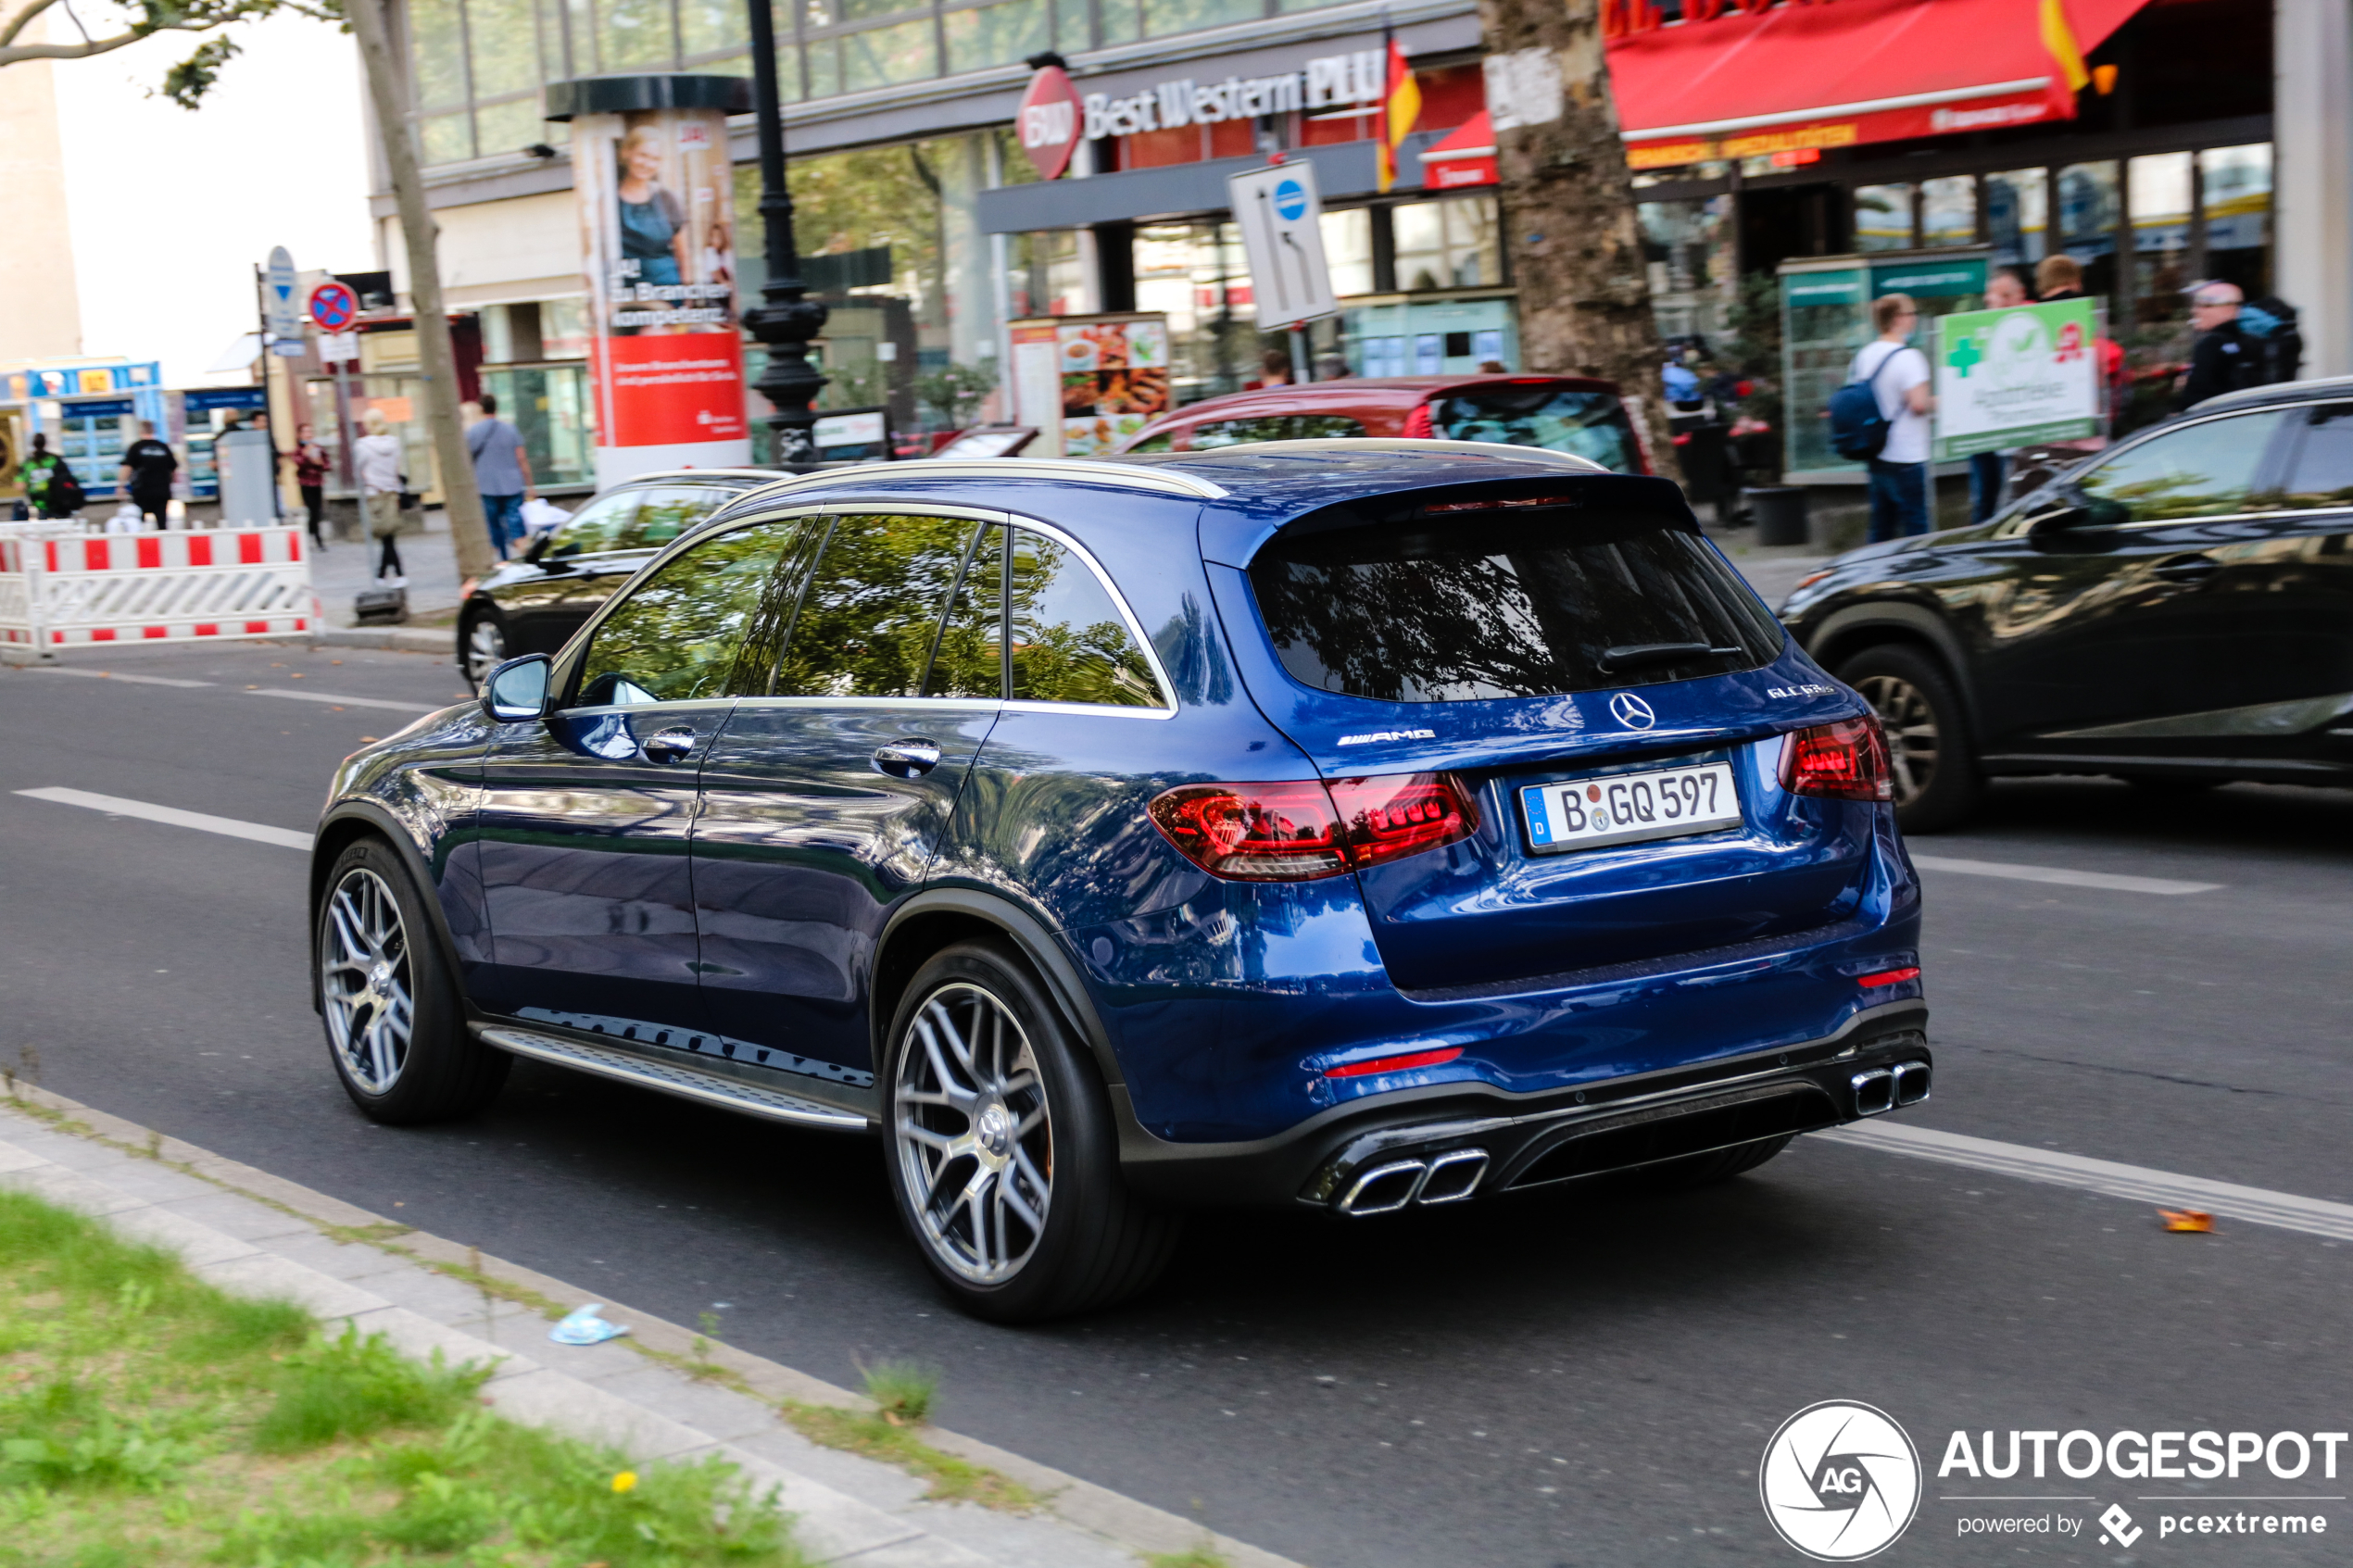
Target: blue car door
{"x":585,"y":813}
{"x":824,"y":799}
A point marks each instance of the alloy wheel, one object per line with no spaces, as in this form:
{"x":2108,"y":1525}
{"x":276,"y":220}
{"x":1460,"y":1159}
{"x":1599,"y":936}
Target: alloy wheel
{"x":486,"y":650}
{"x":974,"y":1139}
{"x":365,"y":980}
{"x":1910,"y":724}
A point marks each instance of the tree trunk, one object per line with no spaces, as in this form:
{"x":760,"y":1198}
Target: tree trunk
{"x":1568,"y":205}
{"x":387,"y":92}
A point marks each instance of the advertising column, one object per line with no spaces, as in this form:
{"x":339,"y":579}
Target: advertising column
{"x":656,"y":194}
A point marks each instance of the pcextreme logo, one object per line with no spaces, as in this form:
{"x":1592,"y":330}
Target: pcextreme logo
{"x":1840,"y":1481}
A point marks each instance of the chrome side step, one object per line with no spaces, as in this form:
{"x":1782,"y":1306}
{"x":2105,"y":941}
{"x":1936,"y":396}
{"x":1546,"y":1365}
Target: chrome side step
{"x":729,"y":1094}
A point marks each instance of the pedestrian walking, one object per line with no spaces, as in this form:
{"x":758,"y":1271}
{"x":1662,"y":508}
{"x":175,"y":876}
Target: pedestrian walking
{"x":44,"y":470}
{"x":502,"y":472}
{"x":2006,"y":290}
{"x":1898,"y":376}
{"x":375,"y":461}
{"x":311,"y":465}
{"x":148,"y":468}
{"x":2226,"y":357}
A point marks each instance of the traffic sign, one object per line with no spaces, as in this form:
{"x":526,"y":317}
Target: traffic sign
{"x":333,"y":304}
{"x":1280,"y":217}
{"x":278,"y":303}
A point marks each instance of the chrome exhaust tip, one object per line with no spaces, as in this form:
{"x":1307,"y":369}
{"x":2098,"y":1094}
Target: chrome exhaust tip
{"x":1911,"y":1082}
{"x":1453,"y":1177}
{"x":1384,"y":1189}
{"x":1875,"y":1091}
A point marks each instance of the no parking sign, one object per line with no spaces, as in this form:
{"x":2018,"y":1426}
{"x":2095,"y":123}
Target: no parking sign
{"x":333,"y":304}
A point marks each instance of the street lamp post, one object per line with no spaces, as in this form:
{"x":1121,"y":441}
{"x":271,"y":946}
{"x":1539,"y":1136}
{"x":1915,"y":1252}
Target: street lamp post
{"x":783,"y":321}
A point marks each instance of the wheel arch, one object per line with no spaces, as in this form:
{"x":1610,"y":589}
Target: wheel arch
{"x":1850,"y":631}
{"x":346,"y":824}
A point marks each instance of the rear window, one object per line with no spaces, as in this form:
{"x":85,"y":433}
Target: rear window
{"x":1588,"y":424}
{"x":1543,"y":602}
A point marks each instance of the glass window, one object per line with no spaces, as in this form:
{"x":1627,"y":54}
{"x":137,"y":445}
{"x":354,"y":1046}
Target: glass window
{"x":1948,"y":211}
{"x":1542,"y":603}
{"x":1162,"y":17}
{"x":1883,"y":218}
{"x":1348,"y":250}
{"x":507,"y":128}
{"x":596,"y":527}
{"x":1070,"y":643}
{"x":2014,"y":222}
{"x":992,"y":35}
{"x":2237,"y":184}
{"x":1271,"y":427}
{"x":1447,"y":244}
{"x":1590,"y":424}
{"x":665,"y":513}
{"x":2203,"y":469}
{"x":437,"y":46}
{"x":2087,"y":198}
{"x":2321,"y":473}
{"x":2158,"y":190}
{"x":970,"y":661}
{"x":872,"y":612}
{"x":503,"y":47}
{"x":711,"y":26}
{"x":680,"y":633}
{"x":1687,"y":249}
{"x":445,"y":138}
{"x":884,"y":54}
{"x":635,"y":34}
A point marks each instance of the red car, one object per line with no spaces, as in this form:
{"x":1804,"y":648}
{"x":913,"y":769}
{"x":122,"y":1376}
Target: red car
{"x":1575,"y":414}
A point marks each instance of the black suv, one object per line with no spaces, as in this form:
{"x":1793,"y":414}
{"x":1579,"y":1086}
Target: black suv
{"x":2176,"y":611}
{"x":535,"y":602}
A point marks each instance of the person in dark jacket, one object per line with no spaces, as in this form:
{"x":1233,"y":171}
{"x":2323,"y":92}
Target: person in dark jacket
{"x":2223,"y":359}
{"x":148,"y":468}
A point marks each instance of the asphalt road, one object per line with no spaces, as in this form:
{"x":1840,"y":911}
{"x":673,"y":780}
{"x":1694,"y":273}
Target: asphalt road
{"x":1585,"y":1381}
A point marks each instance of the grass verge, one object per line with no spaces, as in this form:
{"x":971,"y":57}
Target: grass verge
{"x":868,"y":1434}
{"x":148,"y":1418}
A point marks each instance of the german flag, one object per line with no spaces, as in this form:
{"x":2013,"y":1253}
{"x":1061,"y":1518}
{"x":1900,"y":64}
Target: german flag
{"x":1401,"y":107}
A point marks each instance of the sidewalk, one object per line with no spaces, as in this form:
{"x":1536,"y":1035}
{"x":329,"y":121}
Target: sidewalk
{"x":662,"y":1393}
{"x":429,"y":559}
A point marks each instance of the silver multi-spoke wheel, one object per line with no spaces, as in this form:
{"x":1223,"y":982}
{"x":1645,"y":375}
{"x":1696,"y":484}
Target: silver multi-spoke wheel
{"x":976,"y":1143}
{"x":366,"y":981}
{"x":486,"y":649}
{"x":1903,"y":712}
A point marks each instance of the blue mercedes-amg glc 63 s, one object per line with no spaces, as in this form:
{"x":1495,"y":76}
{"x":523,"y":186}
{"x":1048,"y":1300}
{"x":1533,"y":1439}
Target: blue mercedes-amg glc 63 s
{"x":1360,"y":825}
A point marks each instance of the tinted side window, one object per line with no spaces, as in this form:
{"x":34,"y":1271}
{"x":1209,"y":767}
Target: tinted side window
{"x":680,"y":632}
{"x":596,"y":527}
{"x":971,"y":658}
{"x":871,"y":612}
{"x":1585,"y":424}
{"x":1069,"y":641}
{"x":665,"y":513}
{"x":2203,"y":469}
{"x":2321,"y":473}
{"x":1274,"y":427}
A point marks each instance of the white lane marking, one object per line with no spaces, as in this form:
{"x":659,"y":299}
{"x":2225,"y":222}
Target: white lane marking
{"x":349,"y":701}
{"x":2256,"y":1205}
{"x":114,"y":804}
{"x":2017,"y":872}
{"x":135,"y":680}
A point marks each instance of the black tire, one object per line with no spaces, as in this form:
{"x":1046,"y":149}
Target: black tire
{"x":1098,"y":1243}
{"x":439,"y":1070}
{"x":1707,"y":1170}
{"x":1929,"y":747}
{"x":483,"y":645}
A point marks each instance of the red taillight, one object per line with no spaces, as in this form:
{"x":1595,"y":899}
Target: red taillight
{"x":1890,"y":976}
{"x":1394,"y":1063}
{"x":1419,"y":426}
{"x":1847,"y":761}
{"x":1296,"y":832}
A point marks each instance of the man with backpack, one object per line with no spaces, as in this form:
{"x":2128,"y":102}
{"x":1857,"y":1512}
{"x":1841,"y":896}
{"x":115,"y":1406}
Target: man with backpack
{"x":50,"y":487}
{"x":2238,"y":345}
{"x":1881,"y":416}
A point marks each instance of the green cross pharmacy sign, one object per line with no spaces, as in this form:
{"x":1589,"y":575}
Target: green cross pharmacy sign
{"x":2012,"y":377}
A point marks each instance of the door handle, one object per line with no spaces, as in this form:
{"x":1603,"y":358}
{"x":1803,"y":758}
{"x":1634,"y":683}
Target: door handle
{"x":2187,"y":570}
{"x":669,"y":746}
{"x":906,"y":759}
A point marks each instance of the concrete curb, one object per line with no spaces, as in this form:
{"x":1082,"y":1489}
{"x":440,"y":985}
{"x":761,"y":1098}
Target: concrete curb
{"x":405,"y":639}
{"x":260,"y":1235}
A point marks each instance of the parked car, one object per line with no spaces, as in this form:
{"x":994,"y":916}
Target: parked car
{"x":1573,"y":414}
{"x":1414,"y":823}
{"x":535,"y":602}
{"x":2176,"y":611}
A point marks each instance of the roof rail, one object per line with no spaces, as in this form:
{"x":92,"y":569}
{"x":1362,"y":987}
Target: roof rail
{"x":1132,"y":476}
{"x":1343,"y":445}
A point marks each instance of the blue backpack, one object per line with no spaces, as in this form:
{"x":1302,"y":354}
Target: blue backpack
{"x":1859,"y":431}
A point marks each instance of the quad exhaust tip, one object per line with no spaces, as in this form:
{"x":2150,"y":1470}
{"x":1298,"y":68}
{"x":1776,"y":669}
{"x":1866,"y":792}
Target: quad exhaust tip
{"x":1885,"y":1088}
{"x":1384,"y":1189}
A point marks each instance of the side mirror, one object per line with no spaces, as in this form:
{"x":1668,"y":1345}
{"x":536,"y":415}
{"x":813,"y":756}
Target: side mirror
{"x":2082,"y":520}
{"x":517,"y":690}
{"x":538,"y":546}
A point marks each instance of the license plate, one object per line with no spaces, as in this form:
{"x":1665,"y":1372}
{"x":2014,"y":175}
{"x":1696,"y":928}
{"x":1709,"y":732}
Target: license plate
{"x":1629,"y":807}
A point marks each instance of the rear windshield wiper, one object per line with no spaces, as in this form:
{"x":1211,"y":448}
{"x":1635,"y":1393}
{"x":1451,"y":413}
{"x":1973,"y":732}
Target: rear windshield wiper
{"x":1628,"y":654}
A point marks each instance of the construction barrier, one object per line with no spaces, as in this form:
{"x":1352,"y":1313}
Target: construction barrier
{"x":59,"y":588}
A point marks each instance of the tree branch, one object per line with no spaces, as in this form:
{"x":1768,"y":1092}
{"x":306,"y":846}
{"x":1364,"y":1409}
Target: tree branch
{"x":15,"y":29}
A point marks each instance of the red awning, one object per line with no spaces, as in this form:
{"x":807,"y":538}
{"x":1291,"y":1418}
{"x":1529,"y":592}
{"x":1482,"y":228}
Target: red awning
{"x":1466,"y":156}
{"x":1837,"y":72}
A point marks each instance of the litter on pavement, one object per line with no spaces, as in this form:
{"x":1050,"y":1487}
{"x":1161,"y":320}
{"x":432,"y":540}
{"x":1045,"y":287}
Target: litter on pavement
{"x":583,"y":1326}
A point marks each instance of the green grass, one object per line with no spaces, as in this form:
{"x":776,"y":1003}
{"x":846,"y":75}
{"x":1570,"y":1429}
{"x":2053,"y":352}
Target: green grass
{"x":147,"y":1418}
{"x":902,"y":1391}
{"x":952,"y":1479}
{"x":1199,"y":1557}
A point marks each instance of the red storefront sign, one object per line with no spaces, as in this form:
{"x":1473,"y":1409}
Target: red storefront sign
{"x":671,"y":390}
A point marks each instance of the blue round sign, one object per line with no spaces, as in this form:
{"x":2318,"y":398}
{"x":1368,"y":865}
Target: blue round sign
{"x":1290,"y":200}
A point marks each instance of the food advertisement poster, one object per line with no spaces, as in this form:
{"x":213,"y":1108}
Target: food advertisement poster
{"x":1089,"y":382}
{"x":655,"y":193}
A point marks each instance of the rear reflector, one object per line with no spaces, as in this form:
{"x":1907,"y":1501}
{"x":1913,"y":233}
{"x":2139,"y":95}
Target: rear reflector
{"x":1889,"y":977}
{"x":1847,"y":761}
{"x":1296,"y":832}
{"x":1394,"y":1063}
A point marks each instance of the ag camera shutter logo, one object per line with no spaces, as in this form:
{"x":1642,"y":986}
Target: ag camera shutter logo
{"x":1840,"y":1481}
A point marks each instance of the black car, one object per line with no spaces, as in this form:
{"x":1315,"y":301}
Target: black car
{"x":535,"y":602}
{"x":2176,"y":611}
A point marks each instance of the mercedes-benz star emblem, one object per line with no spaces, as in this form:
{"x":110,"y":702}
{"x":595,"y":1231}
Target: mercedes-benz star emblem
{"x":1632,"y":712}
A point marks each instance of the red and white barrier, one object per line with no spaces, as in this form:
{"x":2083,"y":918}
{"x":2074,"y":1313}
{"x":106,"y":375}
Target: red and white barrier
{"x":60,"y":589}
